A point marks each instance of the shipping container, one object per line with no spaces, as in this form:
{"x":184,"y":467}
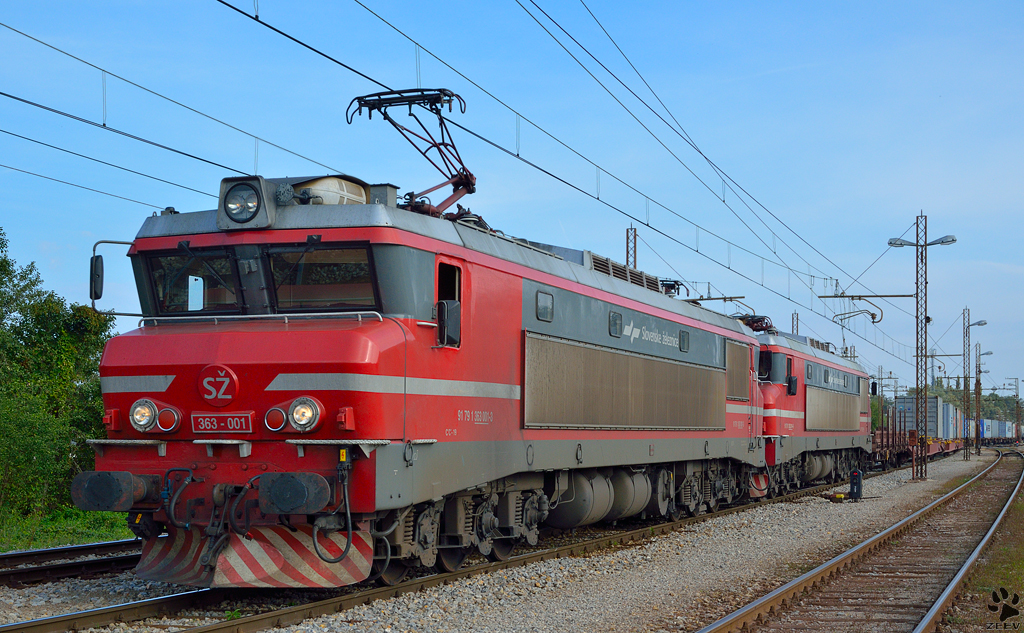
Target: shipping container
{"x":908,"y":405}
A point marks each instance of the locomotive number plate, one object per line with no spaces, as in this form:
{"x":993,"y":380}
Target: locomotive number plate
{"x":222,"y":422}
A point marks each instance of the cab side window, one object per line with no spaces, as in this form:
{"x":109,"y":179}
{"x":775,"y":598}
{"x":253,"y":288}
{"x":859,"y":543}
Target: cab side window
{"x":449,"y":282}
{"x":448,"y":309}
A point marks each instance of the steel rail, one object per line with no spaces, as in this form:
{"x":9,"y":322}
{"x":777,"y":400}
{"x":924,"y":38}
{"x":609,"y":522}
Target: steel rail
{"x":934,"y":616}
{"x":153,"y":607}
{"x":14,"y":559}
{"x":39,"y":573}
{"x":130,"y":612}
{"x":750,"y":614}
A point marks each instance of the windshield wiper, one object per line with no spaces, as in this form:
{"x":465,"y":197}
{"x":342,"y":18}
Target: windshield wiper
{"x":311,"y":243}
{"x":183,"y":245}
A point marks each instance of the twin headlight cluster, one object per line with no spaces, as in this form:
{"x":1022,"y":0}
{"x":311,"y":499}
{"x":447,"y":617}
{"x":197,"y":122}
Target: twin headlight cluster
{"x":303,"y":415}
{"x":145,"y":416}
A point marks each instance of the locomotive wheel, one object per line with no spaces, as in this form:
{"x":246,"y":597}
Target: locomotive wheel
{"x":451,"y":558}
{"x":501,"y":550}
{"x":395,"y":573}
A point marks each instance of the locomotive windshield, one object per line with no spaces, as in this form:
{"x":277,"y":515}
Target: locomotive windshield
{"x":327,"y":278}
{"x":194,"y":282}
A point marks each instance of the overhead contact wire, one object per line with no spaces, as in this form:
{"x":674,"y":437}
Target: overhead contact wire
{"x":103,"y":162}
{"x":71,"y":184}
{"x":125,"y":134}
{"x":168,"y":99}
{"x":669,"y":125}
{"x":686,"y":137}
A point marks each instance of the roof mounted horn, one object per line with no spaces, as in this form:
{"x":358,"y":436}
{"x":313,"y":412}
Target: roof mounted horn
{"x":447,"y":161}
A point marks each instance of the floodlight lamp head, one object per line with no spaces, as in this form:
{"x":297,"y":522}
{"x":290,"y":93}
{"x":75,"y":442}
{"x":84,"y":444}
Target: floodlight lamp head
{"x":985,"y":354}
{"x":978,"y":323}
{"x":896,"y":242}
{"x":945,"y":240}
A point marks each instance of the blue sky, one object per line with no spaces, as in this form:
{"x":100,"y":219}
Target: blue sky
{"x":843,"y":119}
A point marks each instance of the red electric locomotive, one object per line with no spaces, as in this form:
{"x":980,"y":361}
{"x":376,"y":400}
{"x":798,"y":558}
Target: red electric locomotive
{"x":328,"y":386}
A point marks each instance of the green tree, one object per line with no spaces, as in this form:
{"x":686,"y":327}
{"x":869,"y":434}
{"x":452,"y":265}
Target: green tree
{"x":49,"y":397}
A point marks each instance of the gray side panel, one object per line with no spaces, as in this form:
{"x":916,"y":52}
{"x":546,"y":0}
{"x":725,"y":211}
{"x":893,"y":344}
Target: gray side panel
{"x":833,"y":379}
{"x":581,"y":318}
{"x":447,"y":467}
{"x":832,"y":411}
{"x":787,"y":448}
{"x":574,"y":385}
{"x":405,"y":277}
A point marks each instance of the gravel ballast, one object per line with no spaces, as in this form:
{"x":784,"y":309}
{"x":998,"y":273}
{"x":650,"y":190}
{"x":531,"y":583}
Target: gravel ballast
{"x":679,"y":581}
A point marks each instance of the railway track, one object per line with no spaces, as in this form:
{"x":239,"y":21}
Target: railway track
{"x":902,"y":579}
{"x":354,"y":596}
{"x":19,"y":568}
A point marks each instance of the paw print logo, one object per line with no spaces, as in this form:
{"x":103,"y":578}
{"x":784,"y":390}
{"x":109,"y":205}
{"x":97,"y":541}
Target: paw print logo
{"x":1002,"y":597}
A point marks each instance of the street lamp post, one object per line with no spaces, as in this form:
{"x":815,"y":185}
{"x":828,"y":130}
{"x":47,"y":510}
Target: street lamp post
{"x":977,"y":395}
{"x":921,"y":294}
{"x":967,"y":375}
{"x":1016,"y":402}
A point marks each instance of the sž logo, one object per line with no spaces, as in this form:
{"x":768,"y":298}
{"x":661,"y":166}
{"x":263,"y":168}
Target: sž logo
{"x":218,"y":385}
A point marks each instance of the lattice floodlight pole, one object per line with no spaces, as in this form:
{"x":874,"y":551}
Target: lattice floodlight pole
{"x":921,"y":408}
{"x":967,"y":376}
{"x":631,"y":248}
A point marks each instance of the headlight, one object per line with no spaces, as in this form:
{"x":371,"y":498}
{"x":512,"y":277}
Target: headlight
{"x":242,"y":203}
{"x":142,"y":415}
{"x":304,"y":414}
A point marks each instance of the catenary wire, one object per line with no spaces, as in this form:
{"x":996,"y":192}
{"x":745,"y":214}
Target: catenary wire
{"x":64,"y":182}
{"x":562,"y":143}
{"x":646,"y":128}
{"x":575,"y":187}
{"x":682,"y":135}
{"x":686,"y":137}
{"x":103,"y":162}
{"x":674,"y":130}
{"x":116,"y":131}
{"x":166,"y":98}
{"x":681,"y":131}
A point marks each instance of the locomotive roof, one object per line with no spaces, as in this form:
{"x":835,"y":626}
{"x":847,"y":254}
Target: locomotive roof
{"x":562,"y":262}
{"x":798,"y":343}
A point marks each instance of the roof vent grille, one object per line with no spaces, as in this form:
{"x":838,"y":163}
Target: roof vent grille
{"x":608,"y":267}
